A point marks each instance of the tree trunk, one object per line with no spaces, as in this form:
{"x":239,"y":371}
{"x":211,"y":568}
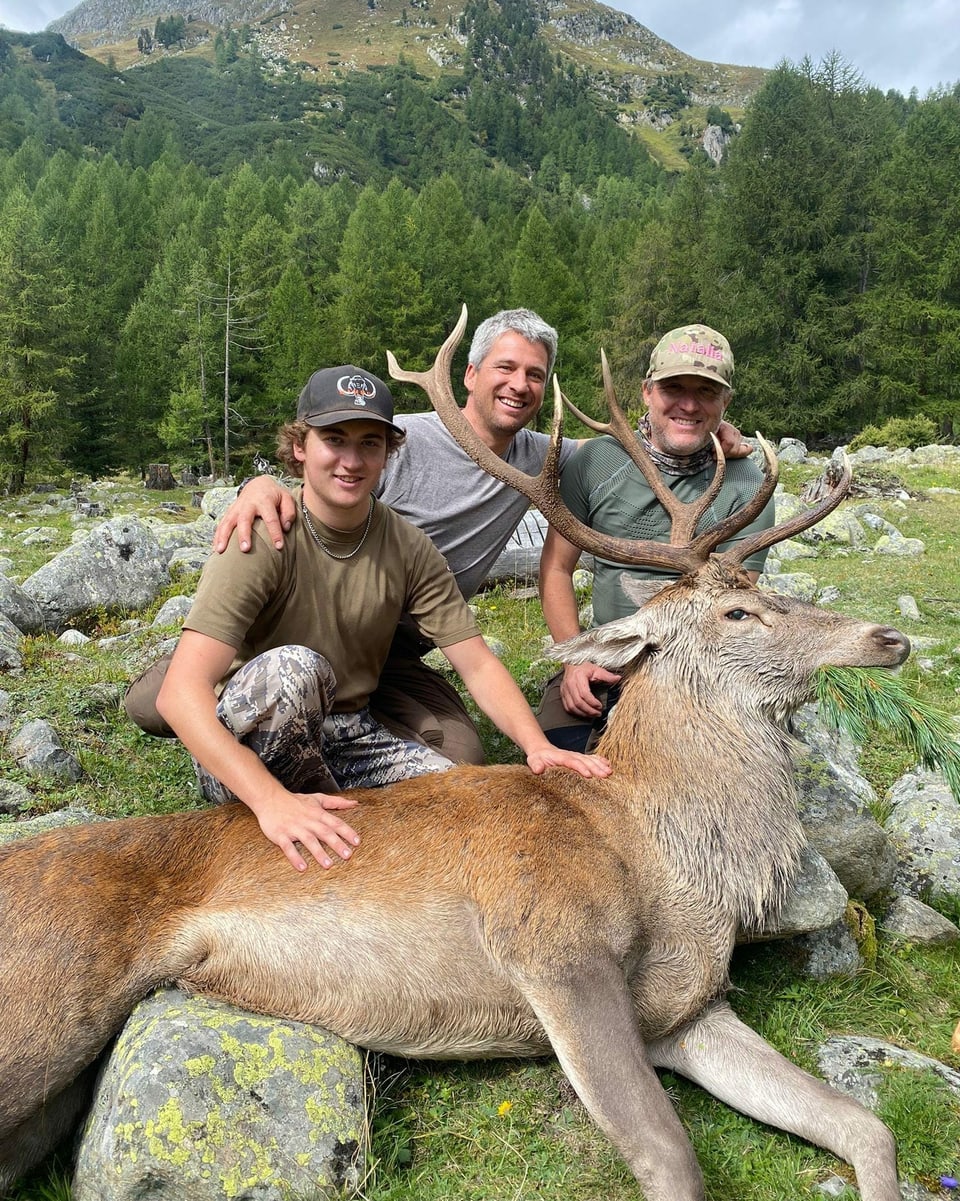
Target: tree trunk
{"x":159,"y":477}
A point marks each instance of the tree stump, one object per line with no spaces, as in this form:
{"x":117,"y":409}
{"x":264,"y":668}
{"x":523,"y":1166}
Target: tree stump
{"x":159,"y":477}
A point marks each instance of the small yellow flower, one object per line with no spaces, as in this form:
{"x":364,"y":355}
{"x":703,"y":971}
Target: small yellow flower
{"x":504,"y":1108}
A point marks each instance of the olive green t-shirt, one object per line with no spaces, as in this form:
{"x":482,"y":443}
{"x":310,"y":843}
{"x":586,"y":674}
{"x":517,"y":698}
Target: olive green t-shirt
{"x":345,"y":609}
{"x":602,"y":486}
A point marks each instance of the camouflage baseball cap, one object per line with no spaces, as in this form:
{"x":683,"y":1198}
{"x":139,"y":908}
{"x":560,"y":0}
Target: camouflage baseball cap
{"x":692,"y":350}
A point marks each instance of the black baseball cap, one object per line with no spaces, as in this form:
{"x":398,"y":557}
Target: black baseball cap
{"x":336,"y":394}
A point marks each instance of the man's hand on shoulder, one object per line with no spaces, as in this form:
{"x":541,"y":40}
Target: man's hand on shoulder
{"x":733,"y":444}
{"x":262,"y":497}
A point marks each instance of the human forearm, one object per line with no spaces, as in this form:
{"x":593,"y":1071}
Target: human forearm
{"x":558,"y":599}
{"x":190,"y":708}
{"x":559,"y":603}
{"x":497,"y":694}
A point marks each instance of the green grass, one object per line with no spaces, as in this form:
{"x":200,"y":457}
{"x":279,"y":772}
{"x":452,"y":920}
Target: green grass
{"x":514,"y":1129}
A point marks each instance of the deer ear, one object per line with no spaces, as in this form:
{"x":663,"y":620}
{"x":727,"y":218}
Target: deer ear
{"x":613,"y":645}
{"x":640,"y":591}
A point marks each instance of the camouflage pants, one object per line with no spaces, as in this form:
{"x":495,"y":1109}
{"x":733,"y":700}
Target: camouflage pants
{"x":279,"y":705}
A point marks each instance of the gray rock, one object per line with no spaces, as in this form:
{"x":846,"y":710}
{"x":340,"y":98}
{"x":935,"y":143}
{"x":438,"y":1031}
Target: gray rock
{"x":186,"y":560}
{"x":791,"y":550}
{"x":816,"y":902}
{"x":937,"y":456}
{"x":216,"y":501}
{"x":869,"y":454}
{"x":827,"y":953}
{"x":37,"y":748}
{"x":119,"y":566}
{"x":73,"y":815}
{"x":11,"y":641}
{"x":878,"y":524}
{"x":73,"y":638}
{"x":6,"y":714}
{"x":798,"y":584}
{"x":786,"y":505}
{"x":839,"y":528}
{"x":173,"y":536}
{"x":199,"y":1101}
{"x":173,"y":611}
{"x":908,"y":607}
{"x":834,"y":809}
{"x":791,"y":450}
{"x":20,"y":608}
{"x":907,"y":548}
{"x":924,"y":828}
{"x":44,"y":535}
{"x":855,"y":1065}
{"x":910,"y":919}
{"x":14,"y":797}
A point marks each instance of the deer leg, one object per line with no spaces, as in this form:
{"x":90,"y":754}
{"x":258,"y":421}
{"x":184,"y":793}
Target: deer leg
{"x":730,"y":1060}
{"x":590,"y":1021}
{"x":45,"y":1130}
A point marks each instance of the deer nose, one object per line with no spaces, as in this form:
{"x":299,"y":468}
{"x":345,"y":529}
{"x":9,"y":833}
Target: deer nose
{"x":897,"y":642}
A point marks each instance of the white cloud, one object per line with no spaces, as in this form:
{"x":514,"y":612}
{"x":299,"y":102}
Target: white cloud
{"x":29,"y":16}
{"x":893,"y":43}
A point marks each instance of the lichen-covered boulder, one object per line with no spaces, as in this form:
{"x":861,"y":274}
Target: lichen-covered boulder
{"x":200,"y":1101}
{"x":37,"y":748}
{"x":924,"y":827}
{"x":118,"y":566}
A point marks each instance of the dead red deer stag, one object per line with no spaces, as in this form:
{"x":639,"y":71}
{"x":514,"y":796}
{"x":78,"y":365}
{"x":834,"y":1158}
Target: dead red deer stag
{"x":489,"y":912}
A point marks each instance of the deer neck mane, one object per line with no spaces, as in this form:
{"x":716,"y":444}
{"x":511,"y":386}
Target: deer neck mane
{"x":713,"y":784}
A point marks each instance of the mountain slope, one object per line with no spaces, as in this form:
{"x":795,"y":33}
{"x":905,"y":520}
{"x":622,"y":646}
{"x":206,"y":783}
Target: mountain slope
{"x":650,"y":84}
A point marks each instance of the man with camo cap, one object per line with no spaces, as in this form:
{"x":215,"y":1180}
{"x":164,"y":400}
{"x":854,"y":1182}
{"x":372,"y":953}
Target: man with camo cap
{"x":686,"y":392}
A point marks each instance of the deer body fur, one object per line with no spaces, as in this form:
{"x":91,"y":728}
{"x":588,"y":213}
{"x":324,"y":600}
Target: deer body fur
{"x":487,"y":912}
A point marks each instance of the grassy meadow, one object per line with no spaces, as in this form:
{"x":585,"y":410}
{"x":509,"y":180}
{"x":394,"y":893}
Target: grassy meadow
{"x":506,"y":1130}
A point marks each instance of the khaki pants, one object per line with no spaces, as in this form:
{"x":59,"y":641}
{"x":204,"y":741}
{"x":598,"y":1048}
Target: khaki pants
{"x":567,"y":730}
{"x":414,"y":701}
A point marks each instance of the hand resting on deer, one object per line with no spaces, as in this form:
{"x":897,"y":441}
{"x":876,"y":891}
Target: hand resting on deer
{"x":489,"y":912}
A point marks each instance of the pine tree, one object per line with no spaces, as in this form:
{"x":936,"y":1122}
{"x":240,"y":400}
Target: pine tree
{"x":35,"y":367}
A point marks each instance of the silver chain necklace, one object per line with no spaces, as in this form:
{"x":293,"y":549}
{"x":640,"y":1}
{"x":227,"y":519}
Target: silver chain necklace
{"x":320,"y":542}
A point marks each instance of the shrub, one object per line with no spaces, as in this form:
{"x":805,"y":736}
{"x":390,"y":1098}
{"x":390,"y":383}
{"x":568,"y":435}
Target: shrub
{"x":898,"y":431}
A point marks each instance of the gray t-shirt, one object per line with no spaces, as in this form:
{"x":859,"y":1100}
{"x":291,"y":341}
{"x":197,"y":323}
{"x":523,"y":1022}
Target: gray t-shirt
{"x":468,"y":515}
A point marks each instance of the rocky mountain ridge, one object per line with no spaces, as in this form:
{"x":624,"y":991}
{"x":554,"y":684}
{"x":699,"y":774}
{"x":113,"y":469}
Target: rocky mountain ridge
{"x":646,"y":80}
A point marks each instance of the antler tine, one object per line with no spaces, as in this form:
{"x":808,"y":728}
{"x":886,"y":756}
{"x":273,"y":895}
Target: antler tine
{"x":794,"y":525}
{"x":541,"y":490}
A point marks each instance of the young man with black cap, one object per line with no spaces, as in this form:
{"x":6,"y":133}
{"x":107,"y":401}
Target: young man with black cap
{"x":269,"y":686}
{"x":687,"y":389}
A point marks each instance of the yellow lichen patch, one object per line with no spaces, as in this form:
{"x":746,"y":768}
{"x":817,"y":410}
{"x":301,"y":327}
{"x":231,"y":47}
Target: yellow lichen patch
{"x":201,"y":1065}
{"x":167,"y":1137}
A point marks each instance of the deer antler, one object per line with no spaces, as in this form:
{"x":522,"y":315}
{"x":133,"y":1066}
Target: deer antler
{"x":686,"y":550}
{"x":803,"y":520}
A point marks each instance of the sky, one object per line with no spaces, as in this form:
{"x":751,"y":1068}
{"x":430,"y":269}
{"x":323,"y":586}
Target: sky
{"x":900,"y":44}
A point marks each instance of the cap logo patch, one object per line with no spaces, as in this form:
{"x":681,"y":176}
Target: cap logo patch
{"x":703,"y":348}
{"x":359,"y":387}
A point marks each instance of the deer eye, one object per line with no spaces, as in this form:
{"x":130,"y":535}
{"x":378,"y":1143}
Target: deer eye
{"x":737,"y":615}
